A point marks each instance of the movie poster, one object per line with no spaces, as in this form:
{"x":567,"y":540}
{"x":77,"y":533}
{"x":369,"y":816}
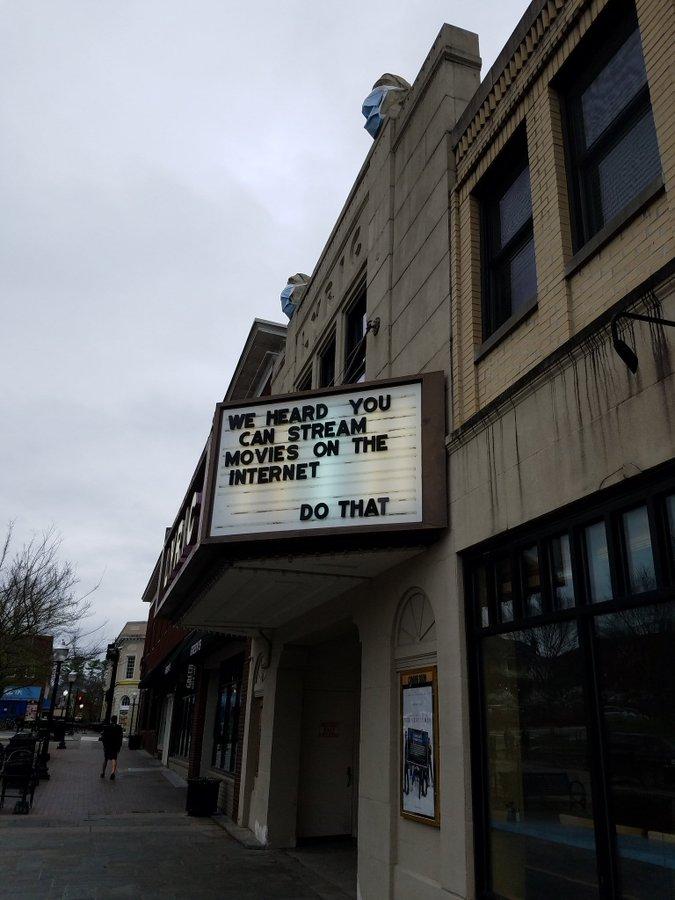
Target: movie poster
{"x":419,"y":790}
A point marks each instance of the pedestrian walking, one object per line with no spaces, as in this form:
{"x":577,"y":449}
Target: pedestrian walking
{"x":112,"y":744}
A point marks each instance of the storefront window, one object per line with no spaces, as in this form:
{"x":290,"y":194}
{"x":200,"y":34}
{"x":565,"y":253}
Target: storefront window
{"x":540,"y":794}
{"x":531,"y":582}
{"x":638,"y":695}
{"x":226,"y":731}
{"x":639,"y":551}
{"x":670,"y":512}
{"x":505,"y":589}
{"x":577,"y":710}
{"x":182,"y":726}
{"x":481,"y":591}
{"x":561,"y":565}
{"x":597,"y":560}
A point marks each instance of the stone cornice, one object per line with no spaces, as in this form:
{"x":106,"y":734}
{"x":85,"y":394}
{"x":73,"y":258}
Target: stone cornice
{"x":528,"y":35}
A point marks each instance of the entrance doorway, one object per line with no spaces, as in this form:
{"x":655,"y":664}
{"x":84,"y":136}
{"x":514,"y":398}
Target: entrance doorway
{"x":328,"y":774}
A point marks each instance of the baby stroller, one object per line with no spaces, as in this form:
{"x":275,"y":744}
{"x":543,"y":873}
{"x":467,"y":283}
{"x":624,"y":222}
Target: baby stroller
{"x":19,"y":776}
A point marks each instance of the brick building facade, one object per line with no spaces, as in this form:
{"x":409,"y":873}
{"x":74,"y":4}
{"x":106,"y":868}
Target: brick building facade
{"x":481,"y":701}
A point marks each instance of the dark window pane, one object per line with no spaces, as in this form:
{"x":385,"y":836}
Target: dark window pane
{"x":614,"y":87}
{"x":638,"y":693}
{"x":505,"y":589}
{"x":481,"y":593}
{"x":515,"y":207}
{"x":639,"y":556}
{"x":327,"y":366}
{"x":541,"y":818}
{"x":561,"y":570}
{"x":597,"y":561}
{"x":523,"y":276}
{"x":532,"y":602}
{"x":631,"y":164}
{"x":670,"y":510}
{"x":355,"y":342}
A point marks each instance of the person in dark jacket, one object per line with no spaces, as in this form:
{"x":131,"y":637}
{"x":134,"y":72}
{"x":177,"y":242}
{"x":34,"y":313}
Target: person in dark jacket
{"x":112,"y":744}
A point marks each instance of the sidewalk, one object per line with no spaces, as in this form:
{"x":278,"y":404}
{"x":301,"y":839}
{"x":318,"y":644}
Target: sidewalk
{"x":92,"y":838}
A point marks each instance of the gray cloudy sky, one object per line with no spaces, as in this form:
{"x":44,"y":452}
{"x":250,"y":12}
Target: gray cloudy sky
{"x":164,"y":166}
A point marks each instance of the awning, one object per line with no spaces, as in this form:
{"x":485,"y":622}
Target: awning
{"x":264,"y":592}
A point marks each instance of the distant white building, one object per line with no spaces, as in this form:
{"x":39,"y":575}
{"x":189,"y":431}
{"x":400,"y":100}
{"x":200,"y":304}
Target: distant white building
{"x":130,"y":643}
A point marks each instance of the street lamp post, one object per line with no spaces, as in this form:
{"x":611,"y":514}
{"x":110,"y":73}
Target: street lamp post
{"x":60,"y":655}
{"x":64,"y":720}
{"x":113,"y":657}
{"x":72,"y":678}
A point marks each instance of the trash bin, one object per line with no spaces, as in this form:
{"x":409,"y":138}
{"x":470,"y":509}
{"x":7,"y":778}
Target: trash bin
{"x":134,"y":742}
{"x":202,"y":796}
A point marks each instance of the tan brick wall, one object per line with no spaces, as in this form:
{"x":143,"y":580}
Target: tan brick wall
{"x":565,"y":304}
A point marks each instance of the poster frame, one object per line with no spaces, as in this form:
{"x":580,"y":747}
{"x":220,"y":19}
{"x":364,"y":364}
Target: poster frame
{"x":409,"y":678}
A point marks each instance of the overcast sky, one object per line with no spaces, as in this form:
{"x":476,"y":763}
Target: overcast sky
{"x":164,"y":166}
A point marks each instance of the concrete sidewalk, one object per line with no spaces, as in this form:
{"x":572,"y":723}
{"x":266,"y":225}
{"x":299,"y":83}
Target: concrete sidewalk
{"x":87,"y":837}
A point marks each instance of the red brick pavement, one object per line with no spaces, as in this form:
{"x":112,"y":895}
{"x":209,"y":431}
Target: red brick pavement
{"x":76,"y":792}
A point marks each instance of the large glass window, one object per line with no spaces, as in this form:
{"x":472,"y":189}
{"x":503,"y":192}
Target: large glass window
{"x":327,"y":364}
{"x":613,"y":149}
{"x":226,"y":728}
{"x":510,"y":279}
{"x":181,"y":731}
{"x":539,"y":779}
{"x":576,"y":704}
{"x":597,"y":561}
{"x":355,"y":341}
{"x":638,"y":698}
{"x":639,"y":556}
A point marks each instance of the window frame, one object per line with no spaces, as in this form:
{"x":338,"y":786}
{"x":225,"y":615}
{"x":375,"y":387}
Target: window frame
{"x":354,"y":366}
{"x":130,"y":660}
{"x":329,"y":344}
{"x":230,"y":676}
{"x":503,"y":172}
{"x":587,"y":62}
{"x":608,"y":506}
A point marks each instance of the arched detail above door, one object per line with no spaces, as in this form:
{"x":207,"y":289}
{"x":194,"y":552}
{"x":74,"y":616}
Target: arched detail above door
{"x":415,"y":626}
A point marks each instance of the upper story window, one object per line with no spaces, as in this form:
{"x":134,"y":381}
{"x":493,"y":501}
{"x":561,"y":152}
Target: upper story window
{"x":305,"y":382}
{"x":613,"y":152}
{"x":327,"y":364}
{"x":509,"y":274}
{"x":131,"y":665}
{"x":355,"y":340}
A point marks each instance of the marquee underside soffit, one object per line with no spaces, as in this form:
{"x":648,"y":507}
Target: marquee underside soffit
{"x":267,"y":592}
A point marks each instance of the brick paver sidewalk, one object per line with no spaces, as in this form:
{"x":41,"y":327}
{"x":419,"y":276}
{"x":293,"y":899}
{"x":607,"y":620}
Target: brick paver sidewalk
{"x":92,"y":838}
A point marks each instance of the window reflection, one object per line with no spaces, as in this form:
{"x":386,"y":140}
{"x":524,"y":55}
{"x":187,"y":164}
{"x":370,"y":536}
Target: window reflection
{"x":561,"y":565}
{"x":505,"y":589}
{"x":541,"y":819}
{"x":597,"y":558}
{"x":670,"y":511}
{"x":638,"y":694}
{"x":481,"y":589}
{"x":531,"y":582}
{"x":640,"y":559}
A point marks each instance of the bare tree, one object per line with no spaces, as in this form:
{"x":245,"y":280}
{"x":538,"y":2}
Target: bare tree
{"x":38,"y":598}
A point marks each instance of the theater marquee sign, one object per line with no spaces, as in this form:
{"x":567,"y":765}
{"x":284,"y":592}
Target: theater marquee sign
{"x":366,"y":457}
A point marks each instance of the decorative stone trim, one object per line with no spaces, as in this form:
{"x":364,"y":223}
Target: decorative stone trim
{"x":466,"y":132}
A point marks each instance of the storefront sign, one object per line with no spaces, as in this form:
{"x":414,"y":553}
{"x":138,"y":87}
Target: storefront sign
{"x":419,"y":746}
{"x":196,"y":647}
{"x":342,"y":459}
{"x":191,"y":677}
{"x":183,"y":537}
